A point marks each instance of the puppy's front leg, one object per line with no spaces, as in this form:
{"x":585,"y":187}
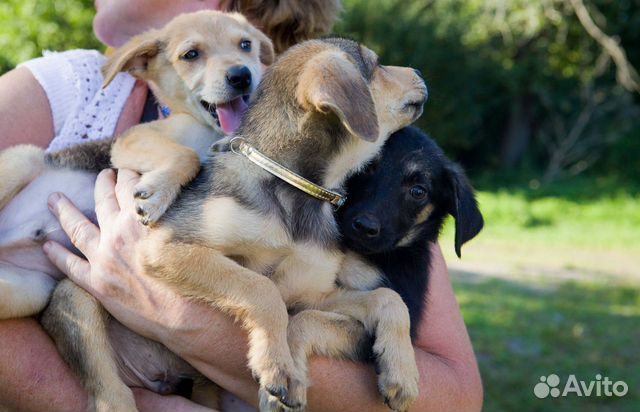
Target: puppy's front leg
{"x":78,"y":325}
{"x":314,"y":332}
{"x":385,"y":316}
{"x":207,"y":275}
{"x":165,"y":166}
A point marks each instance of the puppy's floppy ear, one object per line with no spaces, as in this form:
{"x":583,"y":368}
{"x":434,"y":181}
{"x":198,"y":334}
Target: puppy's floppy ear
{"x":462,"y":206}
{"x":132,"y":57}
{"x":332,"y":83}
{"x":267,"y":54}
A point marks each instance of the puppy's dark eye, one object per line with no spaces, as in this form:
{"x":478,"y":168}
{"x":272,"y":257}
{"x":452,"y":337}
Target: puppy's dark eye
{"x":245,"y":45}
{"x":190,"y":55}
{"x":418,"y":192}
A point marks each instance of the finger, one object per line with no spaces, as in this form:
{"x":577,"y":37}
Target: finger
{"x":83,"y":234}
{"x":105,"y":197}
{"x":127,"y":180}
{"x":76,"y":268}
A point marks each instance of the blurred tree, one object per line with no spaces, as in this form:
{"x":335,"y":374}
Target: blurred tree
{"x":515,"y":83}
{"x":27,"y":27}
{"x":536,"y":85}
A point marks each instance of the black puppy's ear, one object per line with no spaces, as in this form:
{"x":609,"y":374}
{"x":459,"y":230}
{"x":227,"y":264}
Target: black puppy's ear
{"x":463,"y":206}
{"x":332,"y":83}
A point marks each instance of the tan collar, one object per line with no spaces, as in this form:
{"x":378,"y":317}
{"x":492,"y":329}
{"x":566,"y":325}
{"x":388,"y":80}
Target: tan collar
{"x":240,"y":146}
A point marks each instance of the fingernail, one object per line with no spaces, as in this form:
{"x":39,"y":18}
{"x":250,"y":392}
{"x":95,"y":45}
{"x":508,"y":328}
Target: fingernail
{"x":53,"y":200}
{"x":107,"y":172}
{"x":46,"y":247}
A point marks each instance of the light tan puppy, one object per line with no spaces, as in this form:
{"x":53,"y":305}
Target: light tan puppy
{"x":204,"y":71}
{"x":203,"y":67}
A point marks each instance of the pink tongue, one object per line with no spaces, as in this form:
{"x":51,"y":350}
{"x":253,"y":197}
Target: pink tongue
{"x":230,"y":114}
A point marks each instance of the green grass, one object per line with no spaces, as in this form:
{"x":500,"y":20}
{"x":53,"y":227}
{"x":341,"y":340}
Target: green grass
{"x":551,"y":285}
{"x":577,"y":213}
{"x":522,"y":331}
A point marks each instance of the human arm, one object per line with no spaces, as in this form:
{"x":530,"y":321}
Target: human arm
{"x":210,"y":340}
{"x":25,"y":114}
{"x":33,"y":377}
{"x":449,"y":376}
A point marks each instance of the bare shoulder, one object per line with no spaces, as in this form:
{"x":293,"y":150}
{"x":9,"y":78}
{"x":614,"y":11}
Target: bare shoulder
{"x":25,"y":113}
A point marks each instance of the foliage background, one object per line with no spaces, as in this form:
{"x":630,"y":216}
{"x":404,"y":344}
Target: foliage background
{"x":527,"y":101}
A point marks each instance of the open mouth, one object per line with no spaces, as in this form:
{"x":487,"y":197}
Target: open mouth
{"x":227,"y":115}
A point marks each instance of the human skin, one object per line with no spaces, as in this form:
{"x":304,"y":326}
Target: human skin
{"x":116,"y":21}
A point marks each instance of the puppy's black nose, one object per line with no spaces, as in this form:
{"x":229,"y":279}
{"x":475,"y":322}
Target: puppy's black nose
{"x":419,"y":73}
{"x":239,"y":77}
{"x":366,"y":225}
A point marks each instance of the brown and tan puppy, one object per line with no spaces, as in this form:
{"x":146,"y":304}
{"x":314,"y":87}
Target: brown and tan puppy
{"x":203,"y":66}
{"x":247,"y":243}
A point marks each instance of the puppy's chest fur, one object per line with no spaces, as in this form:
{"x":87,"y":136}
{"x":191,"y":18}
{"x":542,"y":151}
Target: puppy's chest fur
{"x":264,"y":225}
{"x":405,"y":270}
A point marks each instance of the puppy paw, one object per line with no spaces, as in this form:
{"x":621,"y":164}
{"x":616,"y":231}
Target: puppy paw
{"x":297,"y":395}
{"x":120,"y":400}
{"x":271,"y":403}
{"x":153,"y":200}
{"x":280,"y":391}
{"x":398,"y":383}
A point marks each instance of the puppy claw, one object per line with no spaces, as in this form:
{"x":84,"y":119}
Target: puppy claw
{"x":141,"y":194}
{"x":255,"y":377}
{"x":143,"y":216}
{"x":398,"y":397}
{"x":152,"y":201}
{"x":398,"y":381}
{"x":279,"y":392}
{"x":270,"y":403}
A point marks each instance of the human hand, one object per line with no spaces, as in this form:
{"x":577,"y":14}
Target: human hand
{"x":110,"y":271}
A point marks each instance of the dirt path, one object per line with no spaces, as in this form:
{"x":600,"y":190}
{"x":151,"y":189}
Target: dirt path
{"x":526,"y":262}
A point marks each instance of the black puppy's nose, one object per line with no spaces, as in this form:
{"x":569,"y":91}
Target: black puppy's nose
{"x":239,"y":77}
{"x":419,"y":73}
{"x":366,"y":225}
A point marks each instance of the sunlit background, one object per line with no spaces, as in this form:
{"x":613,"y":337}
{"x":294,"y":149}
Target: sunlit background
{"x":539,"y":100}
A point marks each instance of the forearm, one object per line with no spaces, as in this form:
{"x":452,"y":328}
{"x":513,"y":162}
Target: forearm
{"x":221,"y":356}
{"x":33,"y":376}
{"x":350,"y":386}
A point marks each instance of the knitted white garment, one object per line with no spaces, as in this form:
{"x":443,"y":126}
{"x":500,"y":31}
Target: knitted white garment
{"x":81,"y":109}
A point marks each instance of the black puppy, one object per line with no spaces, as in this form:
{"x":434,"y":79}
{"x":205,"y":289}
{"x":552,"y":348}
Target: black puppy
{"x":397,"y":206}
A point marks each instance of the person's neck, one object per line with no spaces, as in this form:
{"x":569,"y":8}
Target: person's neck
{"x":133,"y":108}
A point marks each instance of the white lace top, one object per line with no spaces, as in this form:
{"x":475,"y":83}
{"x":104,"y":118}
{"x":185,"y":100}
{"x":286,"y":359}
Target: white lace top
{"x":81,"y":109}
